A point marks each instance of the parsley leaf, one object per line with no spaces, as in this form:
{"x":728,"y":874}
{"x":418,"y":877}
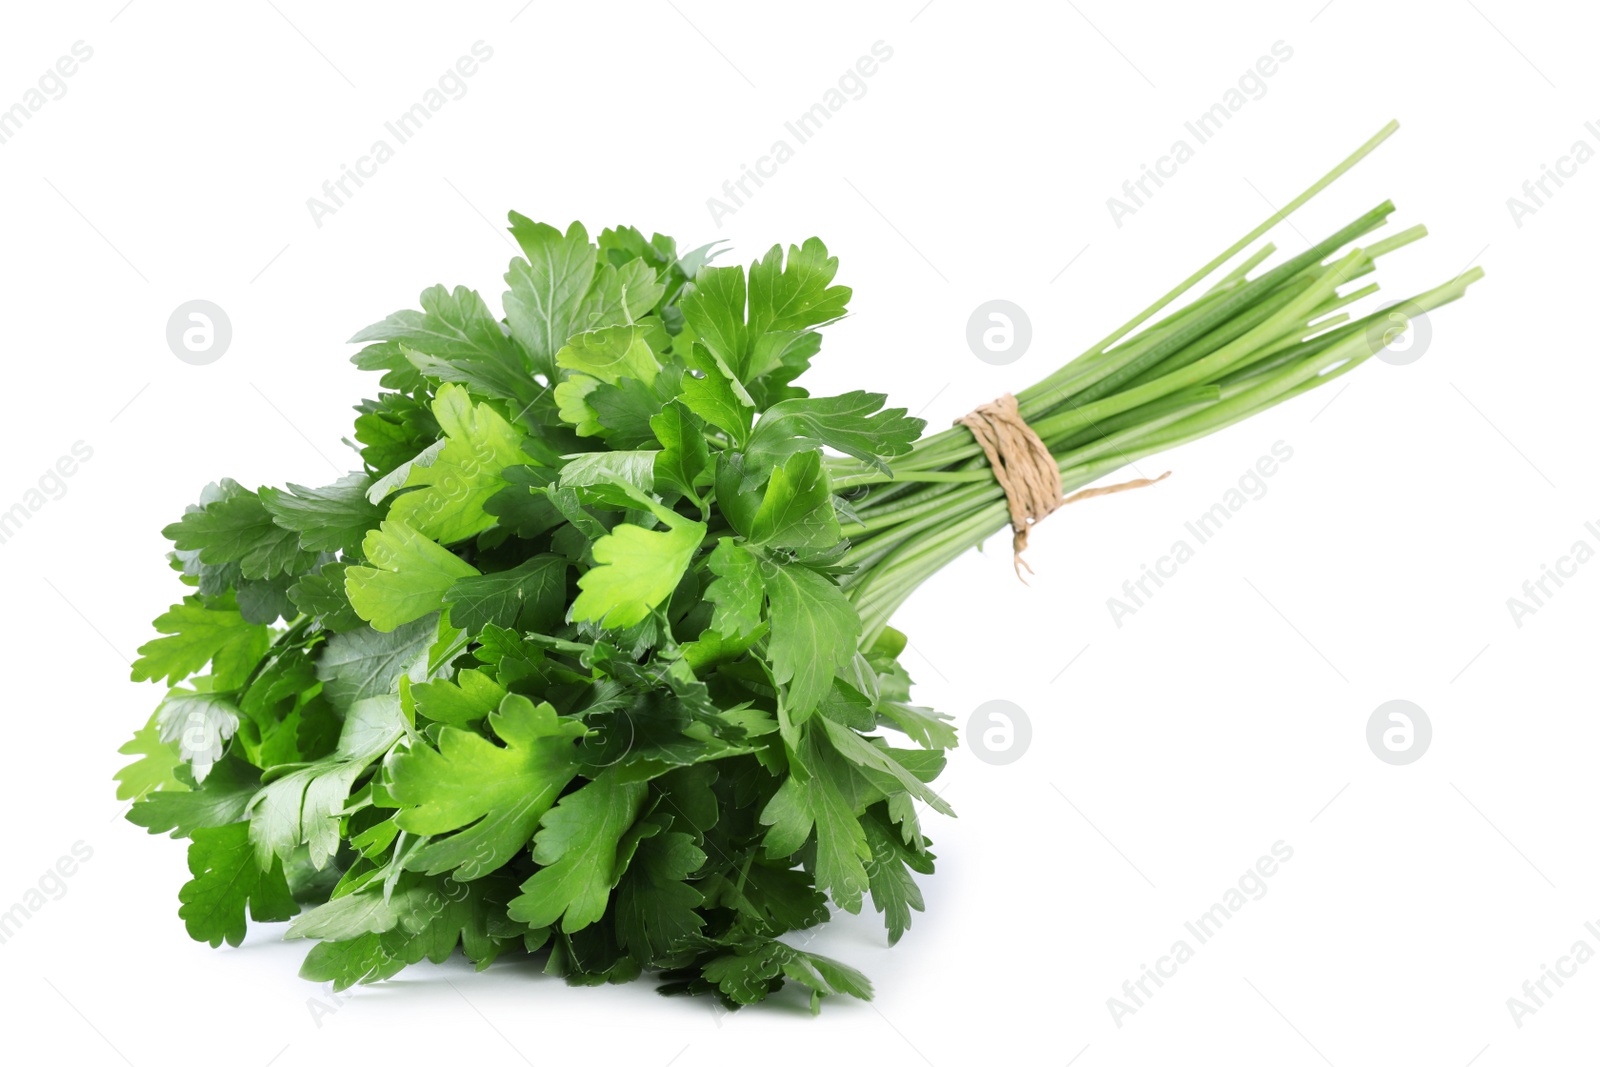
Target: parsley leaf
{"x":529,"y":596}
{"x":225,"y":882}
{"x":851,"y":423}
{"x":489,"y":797}
{"x":655,"y":903}
{"x":548,"y":288}
{"x":635,"y":570}
{"x":238,"y":528}
{"x":155,"y":767}
{"x":814,"y":632}
{"x":408,"y":578}
{"x":198,"y":634}
{"x":578,"y":849}
{"x":331,"y":519}
{"x":797,"y":508}
{"x":448,"y":494}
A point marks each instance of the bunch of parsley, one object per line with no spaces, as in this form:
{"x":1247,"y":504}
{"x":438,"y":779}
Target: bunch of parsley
{"x":565,"y":667}
{"x":592,"y":658}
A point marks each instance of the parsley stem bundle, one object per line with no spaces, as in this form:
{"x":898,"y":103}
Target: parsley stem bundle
{"x":588,"y":661}
{"x":1243,"y":345}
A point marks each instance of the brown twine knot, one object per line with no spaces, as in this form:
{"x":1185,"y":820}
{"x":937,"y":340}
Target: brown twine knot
{"x":1026,"y":470}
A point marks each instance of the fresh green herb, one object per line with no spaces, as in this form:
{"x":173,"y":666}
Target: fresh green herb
{"x":591,"y":657}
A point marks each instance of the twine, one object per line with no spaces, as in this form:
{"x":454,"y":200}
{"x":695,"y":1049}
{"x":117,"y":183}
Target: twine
{"x":1026,"y":471}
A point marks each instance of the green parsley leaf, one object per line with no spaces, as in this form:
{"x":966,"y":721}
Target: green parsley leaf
{"x":547,"y":288}
{"x":529,"y":596}
{"x":322,"y":596}
{"x":365,"y":663}
{"x":200,"y":724}
{"x":488,"y":796}
{"x":851,"y":423}
{"x":198,"y":634}
{"x":610,"y":354}
{"x":409,"y":576}
{"x":797,"y":509}
{"x":154,"y":768}
{"x":814,"y":633}
{"x":577,"y":850}
{"x":713,"y":393}
{"x":463,"y":702}
{"x":635,"y":570}
{"x":894,"y":892}
{"x":684,"y":463}
{"x":304,"y":806}
{"x":655,"y":904}
{"x":455,"y":338}
{"x":738,"y":591}
{"x":715,"y":312}
{"x":448,"y":494}
{"x":331,"y":519}
{"x":218,"y":801}
{"x":238,"y":528}
{"x":225,"y":881}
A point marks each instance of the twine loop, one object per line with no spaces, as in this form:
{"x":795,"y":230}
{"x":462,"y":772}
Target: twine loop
{"x":1026,"y":470}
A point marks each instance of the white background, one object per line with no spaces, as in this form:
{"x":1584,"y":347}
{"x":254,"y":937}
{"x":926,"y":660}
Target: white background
{"x":1228,"y":714}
